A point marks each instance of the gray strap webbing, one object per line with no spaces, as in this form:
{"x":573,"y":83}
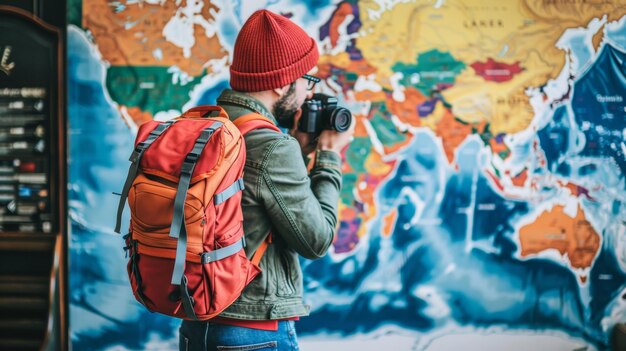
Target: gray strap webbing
{"x":185,"y":178}
{"x":181,"y":256}
{"x":177,"y":229}
{"x":219,"y":254}
{"x":135,"y":158}
{"x":187,"y":300}
{"x":228,"y":192}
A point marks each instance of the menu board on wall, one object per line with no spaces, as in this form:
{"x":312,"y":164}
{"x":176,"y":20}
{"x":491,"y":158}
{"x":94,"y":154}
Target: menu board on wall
{"x":29,"y":124}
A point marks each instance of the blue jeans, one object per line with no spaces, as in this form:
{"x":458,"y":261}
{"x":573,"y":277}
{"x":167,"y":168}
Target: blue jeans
{"x":206,"y":336}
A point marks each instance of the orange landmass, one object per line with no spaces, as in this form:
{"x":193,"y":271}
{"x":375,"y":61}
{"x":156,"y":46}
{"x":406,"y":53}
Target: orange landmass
{"x":138,"y":116}
{"x":596,"y":39}
{"x":339,"y":16}
{"x":359,"y":128}
{"x":324,"y":70}
{"x":520,"y":179}
{"x":347,"y":213}
{"x":573,"y":188}
{"x":366,"y":194}
{"x":368,"y":95}
{"x":406,"y":111}
{"x":132,"y":36}
{"x":389,"y":222}
{"x":571,"y":237}
{"x":496,"y":147}
{"x":342,"y":62}
{"x":452,"y":133}
{"x":360,"y":67}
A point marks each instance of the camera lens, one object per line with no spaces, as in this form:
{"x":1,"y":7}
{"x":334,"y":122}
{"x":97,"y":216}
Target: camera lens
{"x":341,"y":119}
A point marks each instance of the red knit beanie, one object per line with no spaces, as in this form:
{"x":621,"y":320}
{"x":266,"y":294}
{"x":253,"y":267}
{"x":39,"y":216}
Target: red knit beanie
{"x":270,"y":52}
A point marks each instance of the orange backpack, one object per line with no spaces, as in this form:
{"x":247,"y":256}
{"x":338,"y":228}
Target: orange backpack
{"x":185,"y":239}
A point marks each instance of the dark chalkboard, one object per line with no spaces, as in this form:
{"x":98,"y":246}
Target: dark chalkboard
{"x":30,"y":121}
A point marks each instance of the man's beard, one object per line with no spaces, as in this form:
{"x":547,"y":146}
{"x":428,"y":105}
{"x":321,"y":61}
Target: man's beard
{"x":285,"y":110}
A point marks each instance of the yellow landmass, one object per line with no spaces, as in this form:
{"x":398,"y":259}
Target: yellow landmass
{"x":134,"y":36}
{"x":574,"y":12}
{"x":504,"y":105}
{"x":571,"y":237}
{"x":376,"y":166}
{"x":597,"y":38}
{"x":341,"y":60}
{"x":390,"y":39}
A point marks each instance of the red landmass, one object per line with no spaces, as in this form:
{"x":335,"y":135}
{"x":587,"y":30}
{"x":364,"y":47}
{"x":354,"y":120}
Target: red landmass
{"x":495,"y":71}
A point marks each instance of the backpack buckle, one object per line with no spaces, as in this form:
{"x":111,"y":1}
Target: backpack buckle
{"x":134,"y":157}
{"x":192,"y":156}
{"x":187,"y":167}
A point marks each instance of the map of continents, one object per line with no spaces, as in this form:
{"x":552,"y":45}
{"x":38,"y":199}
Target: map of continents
{"x":489,"y":144}
{"x":465,"y":68}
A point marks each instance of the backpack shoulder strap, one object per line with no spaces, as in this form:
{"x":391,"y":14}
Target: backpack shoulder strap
{"x":246,"y":124}
{"x":252,"y":121}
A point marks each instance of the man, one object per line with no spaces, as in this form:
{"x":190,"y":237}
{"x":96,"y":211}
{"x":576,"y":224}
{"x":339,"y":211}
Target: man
{"x":272,"y":57}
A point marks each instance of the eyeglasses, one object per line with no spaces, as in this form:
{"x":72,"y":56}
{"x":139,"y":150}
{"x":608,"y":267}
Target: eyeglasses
{"x":311,"y":81}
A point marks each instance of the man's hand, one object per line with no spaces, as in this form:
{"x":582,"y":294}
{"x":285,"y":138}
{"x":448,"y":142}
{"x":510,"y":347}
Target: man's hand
{"x":308,"y":142}
{"x":334,"y":141}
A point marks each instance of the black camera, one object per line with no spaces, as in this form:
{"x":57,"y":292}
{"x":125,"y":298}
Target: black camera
{"x":322,"y":113}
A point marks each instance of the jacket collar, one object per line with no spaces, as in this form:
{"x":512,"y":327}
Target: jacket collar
{"x":244,"y":104}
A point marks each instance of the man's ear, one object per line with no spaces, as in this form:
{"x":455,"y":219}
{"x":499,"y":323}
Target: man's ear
{"x":281,"y":91}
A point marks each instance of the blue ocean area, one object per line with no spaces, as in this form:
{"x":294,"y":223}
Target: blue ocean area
{"x":210,"y":95}
{"x":103,"y":311}
{"x":555,"y":139}
{"x":598,"y":105}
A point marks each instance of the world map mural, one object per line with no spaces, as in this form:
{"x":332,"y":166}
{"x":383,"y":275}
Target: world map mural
{"x":483,"y":204}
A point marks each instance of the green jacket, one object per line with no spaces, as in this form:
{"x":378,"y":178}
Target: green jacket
{"x":300,"y":209}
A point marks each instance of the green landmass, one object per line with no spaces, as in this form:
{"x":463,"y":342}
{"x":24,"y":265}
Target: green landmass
{"x":357,"y":153}
{"x":348,"y":185}
{"x":386,"y":131}
{"x":433,"y":67}
{"x":149,"y":88}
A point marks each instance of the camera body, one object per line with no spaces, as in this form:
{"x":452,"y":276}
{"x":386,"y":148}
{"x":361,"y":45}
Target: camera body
{"x":322,"y":113}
